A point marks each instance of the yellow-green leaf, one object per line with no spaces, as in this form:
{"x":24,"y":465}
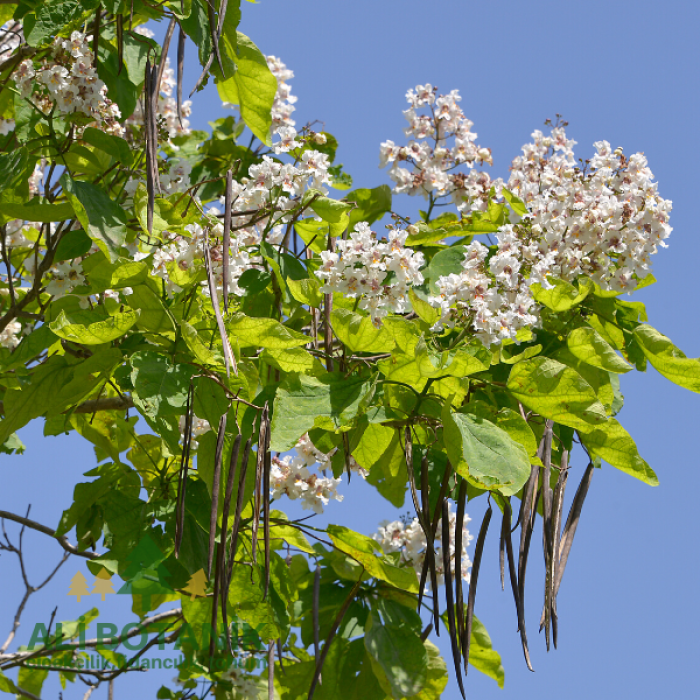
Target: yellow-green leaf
{"x":264,"y":333}
{"x":667,"y":359}
{"x":590,"y":347}
{"x":82,"y":327}
{"x":562,"y":296}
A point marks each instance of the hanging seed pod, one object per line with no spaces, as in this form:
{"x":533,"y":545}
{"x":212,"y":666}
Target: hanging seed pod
{"x":218,"y":454}
{"x":229,"y":357}
{"x":506,"y":536}
{"x":214,"y":35}
{"x":120,"y":42}
{"x":182,"y":476}
{"x":408,"y":455}
{"x":203,"y":75}
{"x":572,"y":521}
{"x":478,"y":552}
{"x":525,"y":535}
{"x":459,"y":534}
{"x":267,"y":466}
{"x":271,"y":671}
{"x":449,"y":595}
{"x":557,"y":506}
{"x":233,"y":464}
{"x":228,"y":203}
{"x":181,"y":41}
{"x":164,"y":53}
{"x":425,"y":505}
{"x":259,"y":467}
{"x":96,"y":33}
{"x":332,"y":632}
{"x":150,"y":185}
{"x":316,"y":608}
{"x":547,"y":535}
{"x":239,"y":510}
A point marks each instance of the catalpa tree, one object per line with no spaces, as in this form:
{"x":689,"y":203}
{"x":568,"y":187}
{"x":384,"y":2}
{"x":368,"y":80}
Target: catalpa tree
{"x":223,"y":318}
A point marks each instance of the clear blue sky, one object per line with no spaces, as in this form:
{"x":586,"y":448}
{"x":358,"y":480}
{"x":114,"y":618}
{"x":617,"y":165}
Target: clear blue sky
{"x":617,"y":70}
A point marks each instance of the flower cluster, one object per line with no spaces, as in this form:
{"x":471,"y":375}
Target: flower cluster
{"x":410,"y":541}
{"x":166,"y":106}
{"x":378,"y":272}
{"x":9,"y":335}
{"x":69,"y":81}
{"x":283,"y":105}
{"x":435,"y":161}
{"x":199,"y":427}
{"x":11,"y":36}
{"x":604,"y":220}
{"x":290,"y":476}
{"x":493,"y":299}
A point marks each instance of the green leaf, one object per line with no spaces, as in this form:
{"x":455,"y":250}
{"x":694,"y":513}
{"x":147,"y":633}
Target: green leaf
{"x":613,"y":443}
{"x":53,"y":16}
{"x":667,"y":359}
{"x":31,"y":680}
{"x":482,"y":656}
{"x":590,"y":347}
{"x":73,"y":244}
{"x":563,"y":295}
{"x":293,"y":360}
{"x":558,"y":392}
{"x":154,"y":316}
{"x":303,"y":402}
{"x":252,"y":87}
{"x":264,"y":333}
{"x":516,"y":204}
{"x":484,"y":454}
{"x":114,"y":146}
{"x":358,"y":332}
{"x":371,"y":204}
{"x":160,"y":387}
{"x":425,"y":311}
{"x":446,"y":262}
{"x":198,"y":348}
{"x":306,"y":291}
{"x":38,"y":210}
{"x":103,"y":219}
{"x":331,"y":210}
{"x":83,"y":328}
{"x":368,"y":553}
{"x":6,"y":684}
{"x":400,"y":653}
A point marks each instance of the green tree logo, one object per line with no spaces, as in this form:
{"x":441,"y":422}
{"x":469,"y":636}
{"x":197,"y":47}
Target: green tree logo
{"x":146,"y":575}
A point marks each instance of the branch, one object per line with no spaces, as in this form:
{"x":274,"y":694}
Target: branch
{"x":63,"y":541}
{"x":109,"y":403}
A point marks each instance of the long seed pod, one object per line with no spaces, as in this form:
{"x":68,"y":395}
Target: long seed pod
{"x":229,"y":357}
{"x":230,"y":479}
{"x":222,"y":17}
{"x":164,"y":52}
{"x":120,"y":42}
{"x":525,"y":535}
{"x":332,"y":632}
{"x":327,"y":308}
{"x":425,"y":505}
{"x":271,"y":671}
{"x":557,"y":505}
{"x":228,"y":203}
{"x":239,"y":510}
{"x":182,"y":476}
{"x":505,"y":534}
{"x":459,"y":534}
{"x":259,"y":466}
{"x":152,"y":126}
{"x":96,"y":33}
{"x":408,"y":455}
{"x":216,"y":481}
{"x":449,"y":594}
{"x":181,"y":42}
{"x":150,"y":185}
{"x":203,"y":74}
{"x":316,"y":607}
{"x":547,"y":534}
{"x":474,"y":579}
{"x":572,"y":521}
{"x":267,"y":467}
{"x":213,"y":34}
